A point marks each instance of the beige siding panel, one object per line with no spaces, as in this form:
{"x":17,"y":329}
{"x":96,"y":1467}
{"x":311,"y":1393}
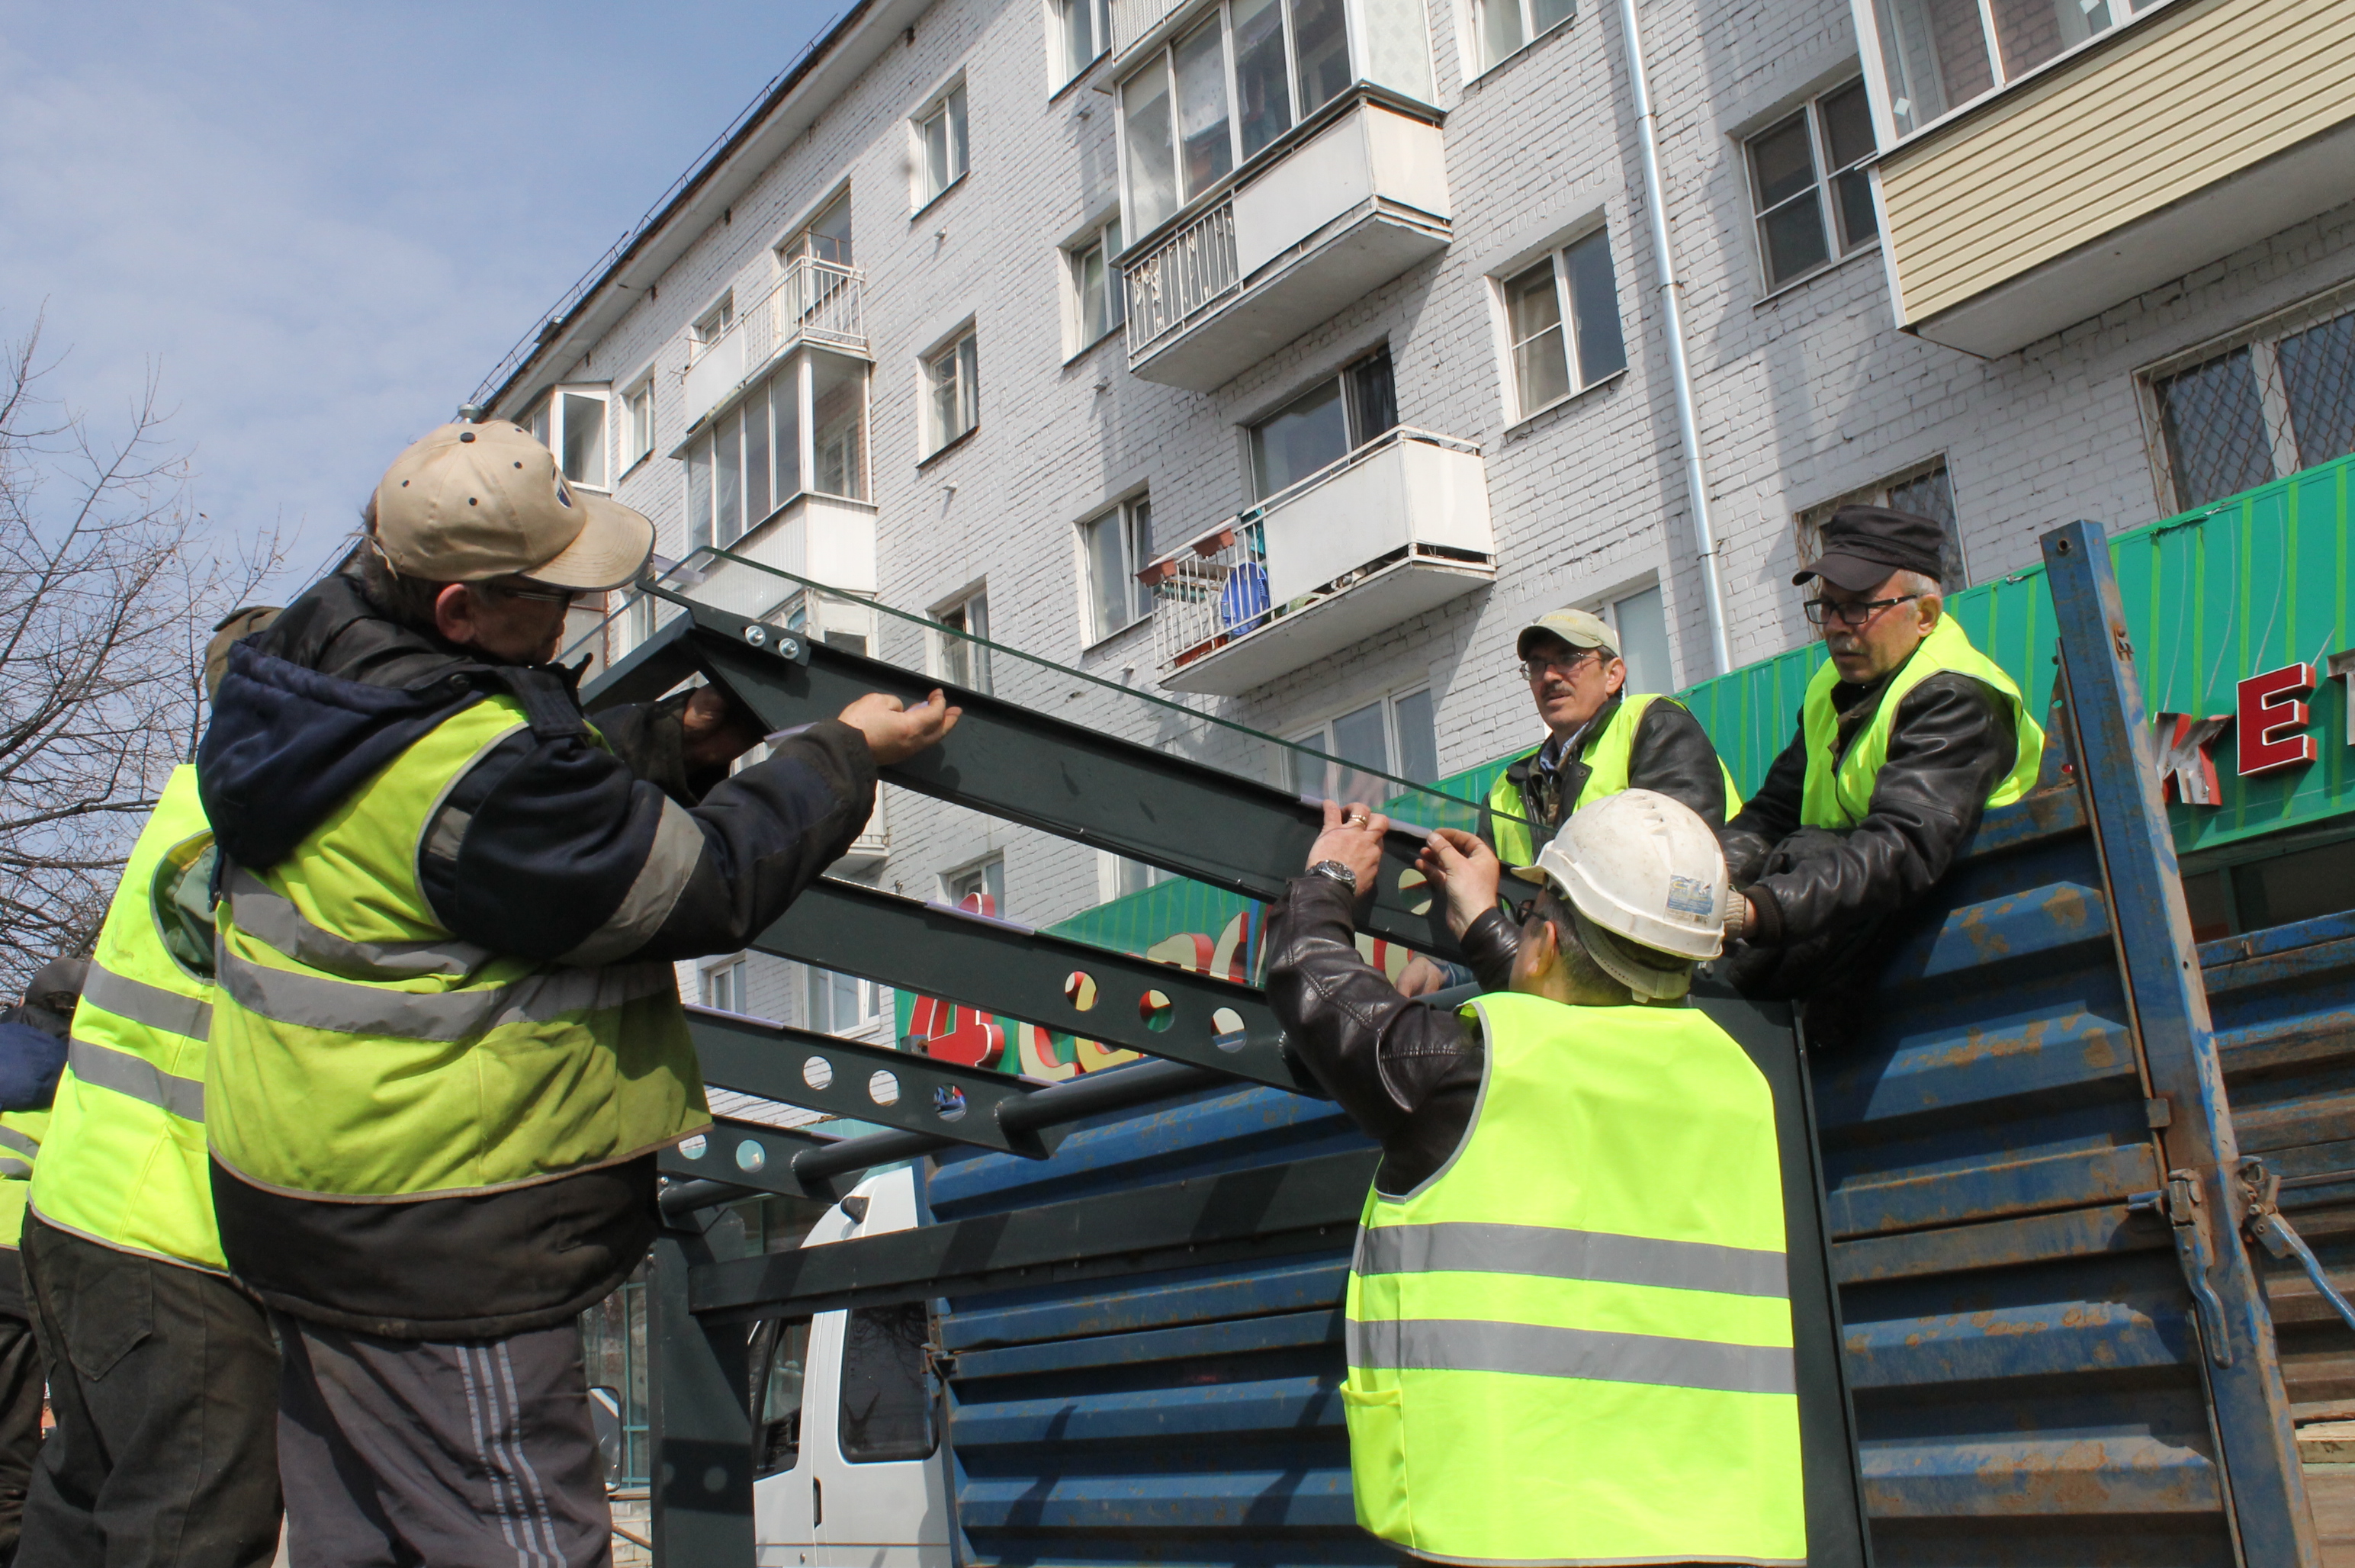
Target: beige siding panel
{"x":2200,"y":95}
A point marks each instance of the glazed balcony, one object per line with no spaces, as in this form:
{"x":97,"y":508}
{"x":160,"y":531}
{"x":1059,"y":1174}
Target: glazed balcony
{"x":812,"y":302}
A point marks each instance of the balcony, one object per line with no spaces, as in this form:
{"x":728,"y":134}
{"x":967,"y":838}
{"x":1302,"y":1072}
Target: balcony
{"x":2167,"y":143}
{"x":812,"y":302}
{"x":1357,"y":201}
{"x":1399,"y":527}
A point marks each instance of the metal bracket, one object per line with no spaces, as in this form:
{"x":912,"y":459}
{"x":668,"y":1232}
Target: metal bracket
{"x":2271,"y":1229}
{"x":2181,"y":1205}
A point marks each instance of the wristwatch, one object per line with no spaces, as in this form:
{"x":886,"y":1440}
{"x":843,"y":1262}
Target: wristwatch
{"x":1337,"y":871}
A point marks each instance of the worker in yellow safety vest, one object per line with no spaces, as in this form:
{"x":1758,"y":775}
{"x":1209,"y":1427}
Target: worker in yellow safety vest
{"x":33,"y":1037}
{"x":1907,"y":734}
{"x":1568,"y":1322}
{"x":162,"y":1374}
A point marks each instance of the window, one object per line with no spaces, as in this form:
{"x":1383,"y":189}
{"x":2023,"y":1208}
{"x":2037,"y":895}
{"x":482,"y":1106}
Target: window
{"x":1129,"y":875}
{"x":1323,"y":425}
{"x":2231,"y":417}
{"x":1938,"y":55}
{"x":826,"y":237}
{"x":1082,"y":32}
{"x":1096,"y":285}
{"x":1562,"y":322}
{"x":838,"y":1004}
{"x":838,"y":621}
{"x":951,"y":401}
{"x":964,"y":637}
{"x":1118,"y":545}
{"x":1503,"y":27}
{"x":1924,"y":489}
{"x":1395,"y":735}
{"x":887,"y":1396}
{"x":570,"y":423}
{"x":802,"y":429}
{"x":1640,"y":621}
{"x":2306,"y":875}
{"x":711,"y":326}
{"x":638,"y":405}
{"x":780,"y":1363}
{"x":940,"y":134}
{"x":723,"y":986}
{"x":1208,"y":103}
{"x":1814,"y":204}
{"x":978,"y":890}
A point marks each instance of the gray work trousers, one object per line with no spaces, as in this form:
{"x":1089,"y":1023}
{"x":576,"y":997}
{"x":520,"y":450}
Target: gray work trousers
{"x":408,"y":1453}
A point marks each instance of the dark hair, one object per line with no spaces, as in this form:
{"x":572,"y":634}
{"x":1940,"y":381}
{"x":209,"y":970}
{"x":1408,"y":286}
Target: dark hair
{"x":406,"y":599}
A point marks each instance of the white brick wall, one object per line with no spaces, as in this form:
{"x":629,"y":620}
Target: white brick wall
{"x":1801,"y":397}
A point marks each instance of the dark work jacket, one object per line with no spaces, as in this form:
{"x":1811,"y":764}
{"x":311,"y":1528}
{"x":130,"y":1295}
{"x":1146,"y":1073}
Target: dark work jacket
{"x":1407,"y":1072}
{"x":555,"y":832}
{"x":1672,"y":754}
{"x":1826,"y":897}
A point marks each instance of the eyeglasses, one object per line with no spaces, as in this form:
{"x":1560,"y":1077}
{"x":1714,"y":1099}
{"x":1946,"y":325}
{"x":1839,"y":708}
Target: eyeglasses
{"x":1851,"y":615}
{"x":1567,"y":664}
{"x":564,"y":596}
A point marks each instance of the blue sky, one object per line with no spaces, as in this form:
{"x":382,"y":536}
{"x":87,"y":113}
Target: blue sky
{"x":320,"y":225}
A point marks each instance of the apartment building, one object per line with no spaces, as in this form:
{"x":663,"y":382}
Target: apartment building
{"x":1257,"y":367}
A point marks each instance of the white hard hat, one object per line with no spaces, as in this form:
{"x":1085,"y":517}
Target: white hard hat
{"x":1643,"y":867}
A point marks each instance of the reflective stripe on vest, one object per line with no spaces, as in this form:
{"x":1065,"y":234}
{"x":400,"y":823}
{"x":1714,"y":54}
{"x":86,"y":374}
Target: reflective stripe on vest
{"x":363,"y":1051}
{"x":20,"y":1136}
{"x":124,"y":1164}
{"x":1572,"y":1344}
{"x":1844,"y":799}
{"x":1608,"y":755}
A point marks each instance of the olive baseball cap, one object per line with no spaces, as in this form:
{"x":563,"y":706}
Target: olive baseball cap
{"x":473,"y":501}
{"x":1576,"y":627}
{"x":1862,"y":545}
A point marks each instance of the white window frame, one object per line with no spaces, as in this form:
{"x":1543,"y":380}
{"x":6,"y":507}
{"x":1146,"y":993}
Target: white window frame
{"x":1838,"y":246}
{"x":722,"y":986}
{"x":1130,"y":524}
{"x":1319,"y":738}
{"x":953,"y":890}
{"x":802,"y":241}
{"x":961,"y":353}
{"x":1473,"y":33}
{"x":1809,"y":523}
{"x":2263,"y":337}
{"x":799,"y":370}
{"x":1104,"y":243}
{"x":1066,"y":69}
{"x":949,"y":650}
{"x":1605,"y":608}
{"x":546,"y":417}
{"x":637,"y":421}
{"x":952,"y":109}
{"x":1554,"y":256}
{"x":711,"y":324}
{"x":867,"y":999}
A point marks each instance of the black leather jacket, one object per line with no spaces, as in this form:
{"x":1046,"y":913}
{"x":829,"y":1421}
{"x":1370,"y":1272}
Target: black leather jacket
{"x":1407,"y":1072}
{"x":1671,"y":753}
{"x":1825,"y":896}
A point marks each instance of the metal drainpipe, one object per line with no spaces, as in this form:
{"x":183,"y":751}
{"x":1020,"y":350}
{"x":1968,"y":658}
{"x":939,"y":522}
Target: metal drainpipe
{"x":1679,"y":372}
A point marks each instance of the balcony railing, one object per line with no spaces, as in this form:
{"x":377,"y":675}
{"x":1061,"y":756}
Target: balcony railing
{"x":812,"y":302}
{"x":1182,"y":276}
{"x":1401,"y":522}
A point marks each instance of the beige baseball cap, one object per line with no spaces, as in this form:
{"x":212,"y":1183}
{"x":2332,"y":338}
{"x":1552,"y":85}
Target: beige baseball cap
{"x":473,"y":501}
{"x":1576,"y":627}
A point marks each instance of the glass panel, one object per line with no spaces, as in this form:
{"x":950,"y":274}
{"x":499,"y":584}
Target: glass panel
{"x":1418,"y":737}
{"x":728,"y":476}
{"x":1933,"y":495}
{"x":2319,"y":370}
{"x":1782,"y":163}
{"x":2215,"y":427}
{"x":1361,"y":743}
{"x":936,"y":154}
{"x":1262,"y":80}
{"x":2291,"y":888}
{"x":1935,"y":56}
{"x":1398,"y":46}
{"x":584,"y":440}
{"x":756,"y":456}
{"x":838,"y":426}
{"x":698,"y":492}
{"x":1207,"y":149}
{"x":887,"y":1399}
{"x":1847,"y":125}
{"x":829,"y":232}
{"x":1594,"y":305}
{"x":1500,"y":28}
{"x":1079,"y":36}
{"x":1533,"y":315}
{"x":780,"y":1436}
{"x":785,"y":430}
{"x":1093,"y":318}
{"x":1152,"y":157}
{"x":957,"y":158}
{"x":1109,"y":573}
{"x":1140,"y":551}
{"x":969,"y":382}
{"x":1373,"y":398}
{"x":642,"y":422}
{"x":1852,"y":199}
{"x":1299,"y":439}
{"x":980,"y":888}
{"x":2033,"y":31}
{"x":1320,"y":41}
{"x":1793,"y":236}
{"x":1548,"y":14}
{"x":1643,"y":627}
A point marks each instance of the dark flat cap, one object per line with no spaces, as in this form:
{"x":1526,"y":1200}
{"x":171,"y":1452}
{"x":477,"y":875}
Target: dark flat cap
{"x":1862,"y":545}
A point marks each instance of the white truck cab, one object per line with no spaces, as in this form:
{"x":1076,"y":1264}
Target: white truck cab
{"x":849,"y":1462}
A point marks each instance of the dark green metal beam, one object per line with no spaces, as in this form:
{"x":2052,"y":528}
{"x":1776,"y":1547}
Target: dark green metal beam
{"x":744,"y":1154}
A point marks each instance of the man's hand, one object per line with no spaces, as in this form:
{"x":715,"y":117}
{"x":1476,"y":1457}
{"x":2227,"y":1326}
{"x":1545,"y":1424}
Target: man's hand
{"x":718,"y":731}
{"x":895,"y":732}
{"x":1467,"y":869}
{"x":1421,"y":978}
{"x":1354,"y":837}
